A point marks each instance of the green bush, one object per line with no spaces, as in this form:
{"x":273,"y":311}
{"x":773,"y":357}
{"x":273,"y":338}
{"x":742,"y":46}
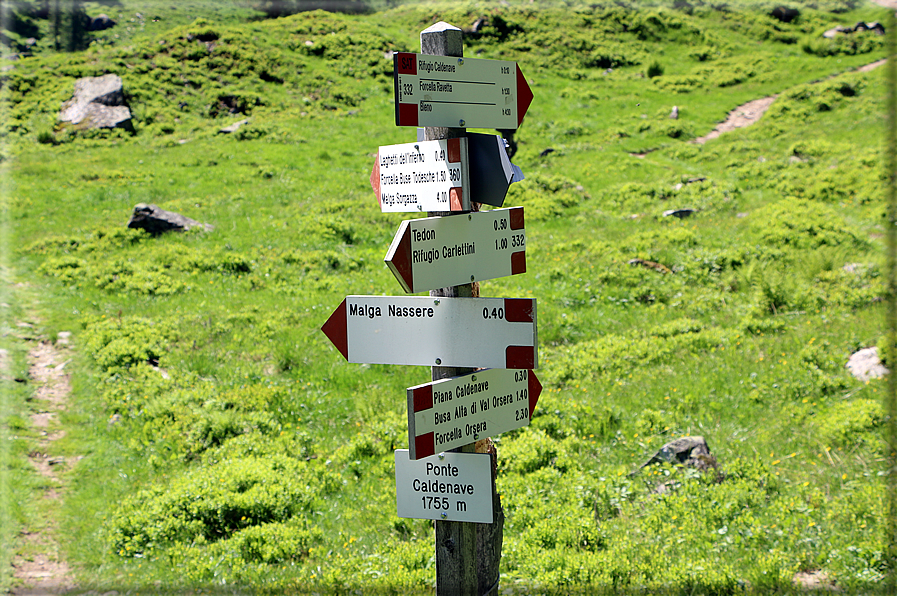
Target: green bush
{"x":216,"y":502}
{"x":544,"y":197}
{"x":803,"y":224}
{"x":119,"y":342}
{"x":850,"y":422}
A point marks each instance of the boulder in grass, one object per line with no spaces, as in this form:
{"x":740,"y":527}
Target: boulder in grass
{"x":680,"y":213}
{"x":865,"y":364}
{"x":157,"y":221}
{"x":98,"y":102}
{"x":686,"y":451}
{"x":233,"y":127}
{"x":784,"y":14}
{"x":100,"y":23}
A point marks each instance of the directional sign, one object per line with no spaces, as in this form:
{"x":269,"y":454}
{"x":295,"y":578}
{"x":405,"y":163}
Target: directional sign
{"x":490,"y":169}
{"x":425,"y":331}
{"x":450,"y":486}
{"x":449,"y":413}
{"x":436,"y":252}
{"x":422,"y":176}
{"x":459,"y":92}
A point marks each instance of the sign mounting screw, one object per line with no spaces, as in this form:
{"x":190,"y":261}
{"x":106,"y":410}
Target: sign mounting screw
{"x":461,"y":122}
{"x":439,"y":361}
{"x":441,"y":456}
{"x":436,"y":302}
{"x":444,"y":515}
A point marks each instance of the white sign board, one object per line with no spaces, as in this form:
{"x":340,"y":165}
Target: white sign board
{"x":436,"y":252}
{"x":448,"y":413}
{"x":422,"y":176}
{"x":459,"y":92}
{"x":425,"y":331}
{"x":449,"y":486}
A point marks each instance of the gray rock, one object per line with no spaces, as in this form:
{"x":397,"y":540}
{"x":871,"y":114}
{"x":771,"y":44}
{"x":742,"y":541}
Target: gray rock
{"x":784,"y":14}
{"x":98,"y":102}
{"x":874,"y":26}
{"x":674,"y":113}
{"x":156,"y":221}
{"x":687,"y":451}
{"x":865,"y":364}
{"x":101,"y":23}
{"x":680,"y":213}
{"x":233,"y":127}
{"x":835,"y":31}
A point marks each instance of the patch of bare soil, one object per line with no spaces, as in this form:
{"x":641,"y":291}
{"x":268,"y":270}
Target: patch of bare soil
{"x":40,"y":570}
{"x":749,"y":113}
{"x":816,"y":581}
{"x":743,"y":115}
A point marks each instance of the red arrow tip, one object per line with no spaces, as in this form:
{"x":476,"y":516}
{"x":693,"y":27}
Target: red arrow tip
{"x":524,"y":96}
{"x":337,"y":329}
{"x":398,"y":259}
{"x":535,"y":390}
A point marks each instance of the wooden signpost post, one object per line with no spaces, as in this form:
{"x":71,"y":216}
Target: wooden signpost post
{"x":452,"y":330}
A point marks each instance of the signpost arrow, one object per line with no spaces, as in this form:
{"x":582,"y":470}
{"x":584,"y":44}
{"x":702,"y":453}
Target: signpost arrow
{"x":426,"y":331}
{"x":449,"y":413}
{"x":490,"y":169}
{"x":451,"y":486}
{"x":422,"y":176}
{"x":435,"y":252}
{"x":459,"y":92}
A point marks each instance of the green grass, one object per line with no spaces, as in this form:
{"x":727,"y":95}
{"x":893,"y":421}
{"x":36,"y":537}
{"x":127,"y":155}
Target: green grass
{"x":261,"y":460}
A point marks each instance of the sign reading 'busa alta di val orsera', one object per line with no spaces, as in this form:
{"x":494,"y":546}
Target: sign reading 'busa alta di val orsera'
{"x":499,"y":334}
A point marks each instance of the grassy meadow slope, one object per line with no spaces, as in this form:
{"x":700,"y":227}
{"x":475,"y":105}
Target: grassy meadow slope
{"x":224,"y":436}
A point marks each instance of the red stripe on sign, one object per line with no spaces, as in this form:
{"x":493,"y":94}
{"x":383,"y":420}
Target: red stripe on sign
{"x":423,"y":398}
{"x":520,"y":357}
{"x":406,"y":63}
{"x":518,"y":262}
{"x":454,"y":150}
{"x":524,"y":96}
{"x":337,"y":330}
{"x":406,"y":114}
{"x":516,"y":217}
{"x":455,"y":194}
{"x":424,"y":446}
{"x":401,"y":261}
{"x":535,"y":390}
{"x":375,"y":178}
{"x":519,"y":310}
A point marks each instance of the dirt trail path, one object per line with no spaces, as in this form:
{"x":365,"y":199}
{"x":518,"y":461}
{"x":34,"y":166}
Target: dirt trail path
{"x":749,"y":113}
{"x":743,"y":115}
{"x":39,"y":568}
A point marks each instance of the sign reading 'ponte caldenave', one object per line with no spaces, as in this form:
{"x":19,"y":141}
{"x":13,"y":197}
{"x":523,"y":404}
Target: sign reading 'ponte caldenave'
{"x":459,"y":92}
{"x":450,"y":486}
{"x":422,"y":176}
